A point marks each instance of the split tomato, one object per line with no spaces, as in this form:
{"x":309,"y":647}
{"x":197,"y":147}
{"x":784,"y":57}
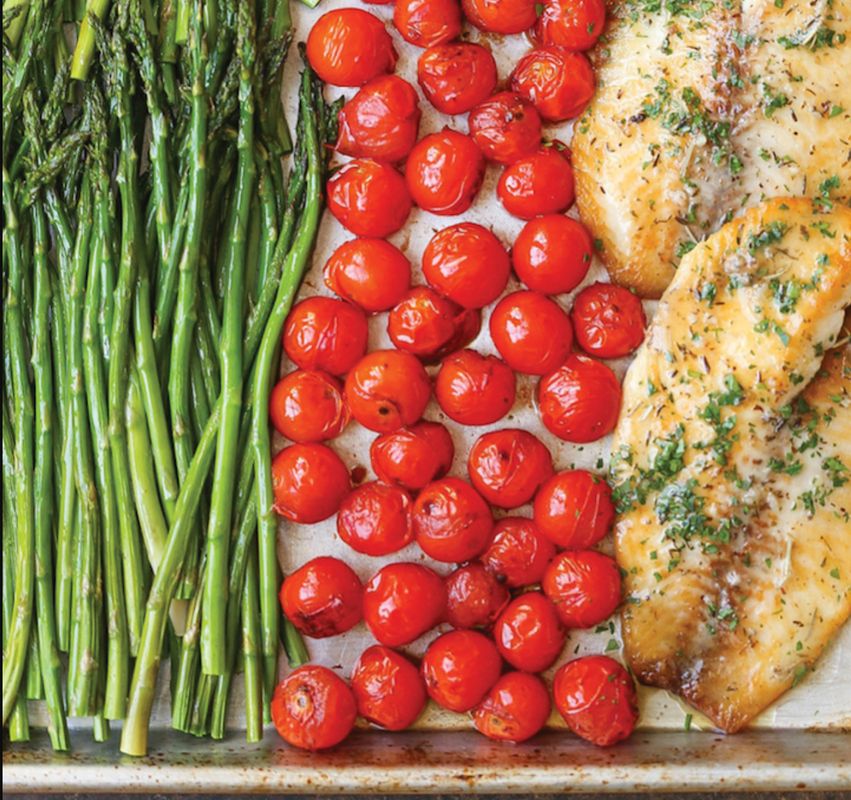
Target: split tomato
{"x":501,"y":16}
{"x":541,"y":183}
{"x":529,"y":634}
{"x":609,"y":320}
{"x":574,"y":509}
{"x":559,"y":82}
{"x":474,"y":597}
{"x":308,"y":406}
{"x":506,"y":127}
{"x":370,"y":273}
{"x":310,"y":481}
{"x":519,"y":552}
{"x":552,"y":254}
{"x":474,"y":389}
{"x":413,"y":457}
{"x":584,"y":586}
{"x":455,"y":77}
{"x":375,"y":519}
{"x":515,"y":708}
{"x":574,"y":24}
{"x":388,"y":688}
{"x":424,"y":23}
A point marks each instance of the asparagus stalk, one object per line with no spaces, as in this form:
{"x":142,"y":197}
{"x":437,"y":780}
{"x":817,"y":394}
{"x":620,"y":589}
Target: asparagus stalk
{"x":84,"y":50}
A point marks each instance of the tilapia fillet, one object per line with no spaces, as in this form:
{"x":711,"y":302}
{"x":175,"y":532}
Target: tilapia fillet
{"x":731,"y":464}
{"x":704,"y":107}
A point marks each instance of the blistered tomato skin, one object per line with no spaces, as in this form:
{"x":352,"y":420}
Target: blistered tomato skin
{"x":322,"y":598}
{"x":388,"y":688}
{"x":444,"y":172}
{"x":455,"y":77}
{"x":515,"y":709}
{"x":370,"y":273}
{"x":474,"y":597}
{"x":552,"y":254}
{"x":474,"y":389}
{"x":349,"y":46}
{"x":459,"y":667}
{"x":519,"y":553}
{"x":501,"y":16}
{"x":559,"y":82}
{"x":425,"y":23}
{"x":402,"y":601}
{"x":529,"y":634}
{"x":309,"y":481}
{"x":325,"y":334}
{"x":506,"y":127}
{"x":506,"y":467}
{"x":413,"y":457}
{"x":531,"y":332}
{"x":584,"y":586}
{"x":375,"y":519}
{"x":573,"y":24}
{"x":574,"y":509}
{"x":312,"y":708}
{"x":539,"y":184}
{"x":369,"y":198}
{"x":609,"y":320}
{"x":380,"y":121}
{"x":596,"y":698}
{"x":452,"y":523}
{"x":308,"y":406}
{"x":580,"y":401}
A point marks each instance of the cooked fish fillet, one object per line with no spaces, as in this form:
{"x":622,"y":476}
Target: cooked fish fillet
{"x":731,"y":464}
{"x":704,"y":108}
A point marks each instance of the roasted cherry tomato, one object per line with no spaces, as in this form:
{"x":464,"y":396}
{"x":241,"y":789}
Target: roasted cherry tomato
{"x":413,"y":457}
{"x":515,"y":709}
{"x":389,"y":689}
{"x":474,"y":389}
{"x":474,"y":597}
{"x":375,"y":519}
{"x":609,"y":320}
{"x":323,"y":597}
{"x":505,"y":127}
{"x":560,"y":83}
{"x":427,"y":22}
{"x":368,"y":197}
{"x":455,"y":77}
{"x":508,"y":466}
{"x":402,"y":601}
{"x":387,"y":389}
{"x":596,"y":698}
{"x":310,"y":482}
{"x":430,"y":325}
{"x":531,"y":332}
{"x":580,"y":401}
{"x":528,"y":633}
{"x":552,"y":254}
{"x":538,"y":184}
{"x":444,"y":172}
{"x":519,"y":552}
{"x":452,"y":522}
{"x":466,"y":263}
{"x":308,"y":406}
{"x":327,"y":334}
{"x":348,"y":47}
{"x":574,"y":509}
{"x":584,"y":586}
{"x":574,"y":24}
{"x":501,"y":16}
{"x":370,"y":273}
{"x":380,"y":121}
{"x":459,"y":667}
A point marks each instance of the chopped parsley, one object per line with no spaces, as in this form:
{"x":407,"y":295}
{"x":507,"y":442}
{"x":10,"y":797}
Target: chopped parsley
{"x":771,"y":234}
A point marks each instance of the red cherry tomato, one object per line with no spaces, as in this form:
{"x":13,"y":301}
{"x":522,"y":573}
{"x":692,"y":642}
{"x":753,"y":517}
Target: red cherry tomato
{"x":370,"y":273}
{"x":459,"y":667}
{"x":310,"y":482}
{"x":560,"y":83}
{"x":430,"y":326}
{"x":312,"y":708}
{"x":444,"y":172}
{"x":466,"y":263}
{"x":501,"y":16}
{"x":388,"y":688}
{"x":427,"y":22}
{"x":574,"y":509}
{"x":348,"y":47}
{"x":368,"y":197}
{"x":580,"y":401}
{"x":402,"y":601}
{"x":413,"y":457}
{"x":505,"y":127}
{"x":474,"y":389}
{"x":552,"y":254}
{"x":515,"y":709}
{"x":323,"y":597}
{"x":528,"y":633}
{"x":538,"y":184}
{"x":387,"y":389}
{"x":596,"y":698}
{"x":519,"y":552}
{"x":609,"y":320}
{"x":531,"y":332}
{"x":308,"y":406}
{"x":474,"y":597}
{"x":380,"y":121}
{"x":454,"y":77}
{"x":452,"y":523}
{"x":375,"y":519}
{"x":326,"y":334}
{"x":508,"y":466}
{"x":585,"y":587}
{"x":574,"y":24}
